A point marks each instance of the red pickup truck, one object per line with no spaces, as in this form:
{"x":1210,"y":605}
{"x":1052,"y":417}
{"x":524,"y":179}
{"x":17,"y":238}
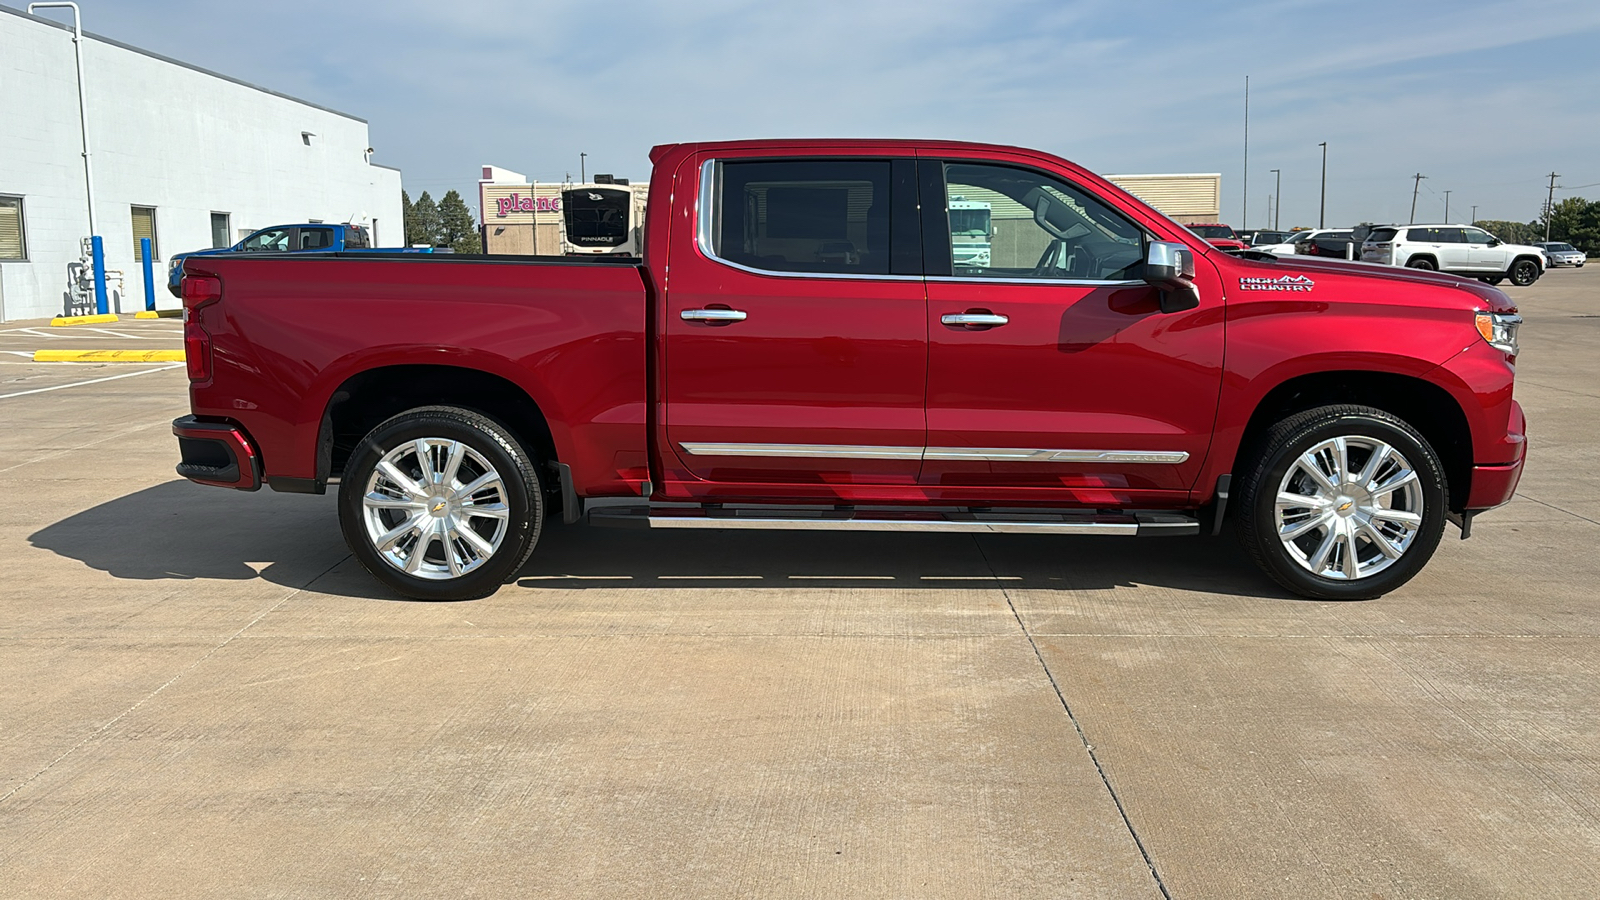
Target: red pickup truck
{"x":797,"y":349}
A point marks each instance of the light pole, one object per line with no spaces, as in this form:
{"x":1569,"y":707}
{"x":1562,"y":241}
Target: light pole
{"x":583,"y":171}
{"x":1474,"y":214}
{"x":88,"y":170}
{"x":1447,"y":207}
{"x":1322,"y":213}
{"x":1244,"y":206}
{"x":1277,"y":191}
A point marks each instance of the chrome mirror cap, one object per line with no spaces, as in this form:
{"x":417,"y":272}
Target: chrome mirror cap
{"x":1169,"y":267}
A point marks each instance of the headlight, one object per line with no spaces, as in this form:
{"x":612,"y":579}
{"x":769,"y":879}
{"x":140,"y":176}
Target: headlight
{"x":1500,"y":330}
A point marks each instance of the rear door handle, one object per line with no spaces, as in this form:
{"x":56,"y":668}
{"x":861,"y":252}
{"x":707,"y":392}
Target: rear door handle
{"x":974,"y":320}
{"x":713,"y":316}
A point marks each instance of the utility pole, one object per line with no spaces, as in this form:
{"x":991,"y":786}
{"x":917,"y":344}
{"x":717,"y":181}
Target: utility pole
{"x":1277,"y":192}
{"x":1414,"y":188}
{"x":1244,"y":208}
{"x":1474,"y":214}
{"x":1550,"y":206}
{"x":583,"y":170}
{"x":1447,"y":207}
{"x":1322,"y":216}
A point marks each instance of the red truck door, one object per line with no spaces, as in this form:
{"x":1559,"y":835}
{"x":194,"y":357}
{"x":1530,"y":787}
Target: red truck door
{"x":1051,"y":367}
{"x":795,"y":326}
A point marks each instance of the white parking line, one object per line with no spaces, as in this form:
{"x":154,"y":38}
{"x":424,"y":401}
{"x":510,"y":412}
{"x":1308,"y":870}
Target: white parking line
{"x":58,"y":387}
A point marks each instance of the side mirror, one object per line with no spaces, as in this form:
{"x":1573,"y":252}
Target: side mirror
{"x":1169,"y":268}
{"x":1494,"y":242}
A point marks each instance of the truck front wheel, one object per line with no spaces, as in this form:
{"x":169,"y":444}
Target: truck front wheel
{"x":1342,"y":503}
{"x":441,"y":503}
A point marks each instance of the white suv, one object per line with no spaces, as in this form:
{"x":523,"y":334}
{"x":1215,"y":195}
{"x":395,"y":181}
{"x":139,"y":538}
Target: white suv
{"x":1457,"y":249}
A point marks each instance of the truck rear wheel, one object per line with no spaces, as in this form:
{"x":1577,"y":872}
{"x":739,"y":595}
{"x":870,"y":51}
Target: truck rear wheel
{"x":441,"y":503}
{"x":1342,"y":503}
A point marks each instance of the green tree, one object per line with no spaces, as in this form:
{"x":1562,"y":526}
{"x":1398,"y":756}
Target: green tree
{"x":1512,"y":232}
{"x":1576,"y":221}
{"x":422,"y":220}
{"x":457,"y":230}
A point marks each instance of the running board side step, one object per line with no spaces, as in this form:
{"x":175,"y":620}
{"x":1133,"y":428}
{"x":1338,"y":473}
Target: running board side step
{"x":1140,"y":523}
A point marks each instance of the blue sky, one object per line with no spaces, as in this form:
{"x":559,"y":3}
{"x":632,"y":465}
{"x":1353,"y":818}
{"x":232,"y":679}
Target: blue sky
{"x":1484,"y":98}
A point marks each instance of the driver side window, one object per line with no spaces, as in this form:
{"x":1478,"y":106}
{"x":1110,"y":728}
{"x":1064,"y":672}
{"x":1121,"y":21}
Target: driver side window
{"x":1009,"y":222}
{"x":275,"y":239}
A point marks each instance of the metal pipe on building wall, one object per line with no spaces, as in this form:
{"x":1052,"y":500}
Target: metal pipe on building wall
{"x":83,"y":126}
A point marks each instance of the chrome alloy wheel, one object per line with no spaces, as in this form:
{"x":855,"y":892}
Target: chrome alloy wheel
{"x":1349,"y":508}
{"x":434,"y":508}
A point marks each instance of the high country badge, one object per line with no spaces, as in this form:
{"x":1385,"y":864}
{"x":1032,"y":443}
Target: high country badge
{"x":1284,"y":283}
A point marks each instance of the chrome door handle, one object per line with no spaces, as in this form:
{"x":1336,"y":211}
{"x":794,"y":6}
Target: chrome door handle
{"x":982,"y":319}
{"x":712,"y":316}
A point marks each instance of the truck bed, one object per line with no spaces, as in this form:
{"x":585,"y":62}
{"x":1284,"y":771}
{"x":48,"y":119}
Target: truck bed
{"x":301,"y":332}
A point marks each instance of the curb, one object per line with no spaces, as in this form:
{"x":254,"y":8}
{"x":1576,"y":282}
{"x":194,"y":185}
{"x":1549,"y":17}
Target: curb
{"x":83,"y":320}
{"x":158,"y":314}
{"x":132,"y":356}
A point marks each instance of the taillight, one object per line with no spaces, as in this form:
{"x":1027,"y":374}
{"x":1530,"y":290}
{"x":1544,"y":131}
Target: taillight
{"x":199,"y":291}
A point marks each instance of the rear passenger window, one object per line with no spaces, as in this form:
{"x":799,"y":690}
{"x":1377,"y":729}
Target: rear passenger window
{"x":1449,"y":236}
{"x":316,"y":238}
{"x":822,"y":216}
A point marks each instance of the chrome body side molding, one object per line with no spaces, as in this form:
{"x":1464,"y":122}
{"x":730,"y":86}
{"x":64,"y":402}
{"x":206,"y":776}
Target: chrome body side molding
{"x":989,"y":454}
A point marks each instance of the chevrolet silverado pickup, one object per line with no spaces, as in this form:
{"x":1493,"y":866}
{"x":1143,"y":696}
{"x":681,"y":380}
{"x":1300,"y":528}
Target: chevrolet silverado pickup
{"x":801,"y":348}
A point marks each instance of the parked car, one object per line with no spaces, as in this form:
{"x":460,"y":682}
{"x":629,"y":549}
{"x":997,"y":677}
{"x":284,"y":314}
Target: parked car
{"x":1457,"y":249}
{"x":1290,"y":243}
{"x":1339,"y":414}
{"x":1219,"y":236}
{"x":1334,"y":243}
{"x":1561,"y":253}
{"x":310,"y":237}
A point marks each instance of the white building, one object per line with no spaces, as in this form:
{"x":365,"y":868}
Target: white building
{"x":191,"y":158}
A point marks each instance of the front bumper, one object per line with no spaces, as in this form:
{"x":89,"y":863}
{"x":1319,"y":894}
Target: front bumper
{"x":219,"y":454}
{"x":1494,"y":485}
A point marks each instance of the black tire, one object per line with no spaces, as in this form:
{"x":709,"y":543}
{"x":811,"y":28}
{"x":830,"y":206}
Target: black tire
{"x":488,"y":444}
{"x":1282,"y":447}
{"x":1524,"y":272}
{"x":1421,"y":262}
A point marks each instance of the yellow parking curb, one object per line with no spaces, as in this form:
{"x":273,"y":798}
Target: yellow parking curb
{"x":133,"y":356}
{"x":84,"y":320}
{"x":158,"y":314}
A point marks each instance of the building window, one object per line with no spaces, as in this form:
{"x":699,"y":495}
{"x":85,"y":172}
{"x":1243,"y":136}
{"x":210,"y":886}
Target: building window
{"x":220,"y":232}
{"x":144,"y":226}
{"x":13,"y":242}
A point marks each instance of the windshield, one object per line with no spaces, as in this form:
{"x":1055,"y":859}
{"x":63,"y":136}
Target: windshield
{"x":1300,"y":236}
{"x":271,"y":239}
{"x":1212,"y":231}
{"x":1563,"y":248}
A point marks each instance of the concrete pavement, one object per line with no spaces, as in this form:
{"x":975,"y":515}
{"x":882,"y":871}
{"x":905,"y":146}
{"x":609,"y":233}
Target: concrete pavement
{"x":207,"y":697}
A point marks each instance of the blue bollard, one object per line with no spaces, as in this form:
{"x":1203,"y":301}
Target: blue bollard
{"x":99,"y":251}
{"x":149,"y":276}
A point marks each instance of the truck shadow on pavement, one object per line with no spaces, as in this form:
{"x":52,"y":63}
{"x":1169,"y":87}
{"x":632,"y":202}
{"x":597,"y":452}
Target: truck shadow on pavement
{"x":578,"y":558}
{"x":177,"y":530}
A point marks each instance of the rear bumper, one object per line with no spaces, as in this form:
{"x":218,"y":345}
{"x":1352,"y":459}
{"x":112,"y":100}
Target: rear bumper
{"x":217,"y":454}
{"x":1494,"y":485}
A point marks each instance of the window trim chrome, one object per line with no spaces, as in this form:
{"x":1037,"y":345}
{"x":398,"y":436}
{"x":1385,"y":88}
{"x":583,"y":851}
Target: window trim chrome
{"x":946,"y":454}
{"x":706,"y":213}
{"x":706,"y":219}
